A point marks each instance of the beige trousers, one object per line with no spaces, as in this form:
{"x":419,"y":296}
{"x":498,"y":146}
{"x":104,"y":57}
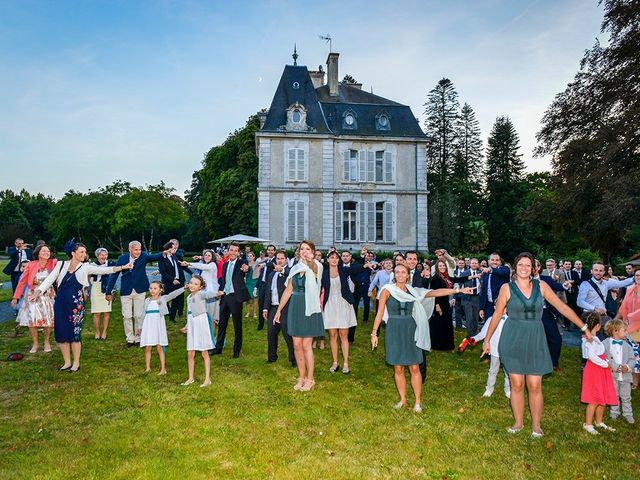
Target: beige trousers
{"x":132,"y":314}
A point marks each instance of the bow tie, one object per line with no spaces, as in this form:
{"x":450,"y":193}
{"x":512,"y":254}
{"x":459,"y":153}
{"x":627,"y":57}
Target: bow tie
{"x":617,"y":342}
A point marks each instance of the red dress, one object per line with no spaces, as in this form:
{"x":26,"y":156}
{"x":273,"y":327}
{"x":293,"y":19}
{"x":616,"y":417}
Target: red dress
{"x":597,"y":385}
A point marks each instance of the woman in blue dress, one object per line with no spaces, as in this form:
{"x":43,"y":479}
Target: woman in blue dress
{"x":523,"y":346}
{"x":406,"y":310}
{"x":71,"y":277}
{"x":304,"y":317}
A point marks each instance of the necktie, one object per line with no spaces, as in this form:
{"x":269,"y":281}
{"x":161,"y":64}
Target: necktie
{"x":617,"y":342}
{"x":228,"y":285}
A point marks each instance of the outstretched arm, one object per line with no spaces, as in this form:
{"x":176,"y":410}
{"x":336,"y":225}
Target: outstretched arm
{"x":562,"y":307}
{"x":382,"y":303}
{"x":501,"y":305}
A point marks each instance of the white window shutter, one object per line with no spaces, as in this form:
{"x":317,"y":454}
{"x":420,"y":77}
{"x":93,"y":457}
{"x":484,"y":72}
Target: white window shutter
{"x":362,"y":166}
{"x":291,"y":164}
{"x":291,"y":221}
{"x":371,"y":166}
{"x":301,"y":165}
{"x":388,"y":167}
{"x":345,"y":164}
{"x":338,"y":221}
{"x":362,"y":221}
{"x":371,"y":222}
{"x":300,"y":217}
{"x":388,"y":222}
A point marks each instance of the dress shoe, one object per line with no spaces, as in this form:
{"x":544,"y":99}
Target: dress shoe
{"x":129,"y":344}
{"x":260,"y":327}
{"x":271,"y":361}
{"x":215,"y":352}
{"x":236,"y":354}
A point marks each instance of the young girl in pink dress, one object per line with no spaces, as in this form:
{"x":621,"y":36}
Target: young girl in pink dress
{"x":598,"y":389}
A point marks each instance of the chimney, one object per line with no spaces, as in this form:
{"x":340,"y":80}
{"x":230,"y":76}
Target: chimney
{"x":332,"y":73}
{"x":356,"y":85}
{"x":317,"y":77}
{"x":262,"y":115}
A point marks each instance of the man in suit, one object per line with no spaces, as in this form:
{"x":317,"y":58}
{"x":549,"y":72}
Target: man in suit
{"x":133,"y":289}
{"x":273,"y":289}
{"x":578,"y":275}
{"x":18,"y":254}
{"x":557,"y":275}
{"x":179,"y":256}
{"x":269,"y":262}
{"x":172,"y":274}
{"x":361,"y":282}
{"x":471,"y":303}
{"x":458,"y":309}
{"x":233,"y":293}
{"x":493,"y":277}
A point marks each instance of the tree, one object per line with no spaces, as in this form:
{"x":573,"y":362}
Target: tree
{"x":442,"y":110}
{"x":466,"y":178}
{"x":13,"y":221}
{"x":591,"y":131}
{"x":223,"y":193}
{"x":505,"y":190}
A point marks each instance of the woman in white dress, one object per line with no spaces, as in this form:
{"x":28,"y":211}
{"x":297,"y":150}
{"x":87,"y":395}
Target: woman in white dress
{"x":39,"y":313}
{"x":338,"y":314}
{"x":100,"y":306}
{"x":207,"y":268}
{"x":199,"y":335}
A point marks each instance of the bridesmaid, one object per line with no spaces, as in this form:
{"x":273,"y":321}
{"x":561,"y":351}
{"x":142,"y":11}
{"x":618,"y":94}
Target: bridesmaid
{"x":38,"y":314}
{"x":207,"y":267}
{"x":407,"y":333}
{"x":71,"y":277}
{"x":523,"y":344}
{"x":304,"y":318}
{"x":100,"y":306}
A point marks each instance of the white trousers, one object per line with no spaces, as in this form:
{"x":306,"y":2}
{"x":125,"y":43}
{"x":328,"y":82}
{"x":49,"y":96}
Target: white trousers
{"x":132,"y":315}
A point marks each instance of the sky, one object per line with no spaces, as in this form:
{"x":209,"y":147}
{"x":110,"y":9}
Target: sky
{"x":139,"y":91}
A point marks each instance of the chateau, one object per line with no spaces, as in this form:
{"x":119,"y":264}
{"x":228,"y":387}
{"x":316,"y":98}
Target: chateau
{"x":340,"y":166}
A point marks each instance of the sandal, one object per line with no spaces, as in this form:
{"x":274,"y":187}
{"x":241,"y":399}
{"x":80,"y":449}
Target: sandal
{"x":606,"y":427}
{"x":308,"y":385}
{"x":188,"y":382}
{"x":514,"y":429}
{"x":399,"y":406}
{"x":298,"y":386}
{"x":334,"y":368}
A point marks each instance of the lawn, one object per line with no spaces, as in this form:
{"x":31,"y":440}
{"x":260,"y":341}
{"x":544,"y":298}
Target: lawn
{"x":111,"y":420}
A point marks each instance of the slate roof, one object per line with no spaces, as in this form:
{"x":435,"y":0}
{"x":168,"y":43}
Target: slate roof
{"x":325,"y":114}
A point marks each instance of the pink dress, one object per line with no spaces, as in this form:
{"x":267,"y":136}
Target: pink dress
{"x":597,"y":379}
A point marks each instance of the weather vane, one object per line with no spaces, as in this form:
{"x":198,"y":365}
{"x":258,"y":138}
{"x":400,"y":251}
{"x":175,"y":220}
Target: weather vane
{"x":327,"y":38}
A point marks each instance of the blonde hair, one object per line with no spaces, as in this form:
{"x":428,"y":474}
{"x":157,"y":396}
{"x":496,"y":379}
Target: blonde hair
{"x":612,"y":326}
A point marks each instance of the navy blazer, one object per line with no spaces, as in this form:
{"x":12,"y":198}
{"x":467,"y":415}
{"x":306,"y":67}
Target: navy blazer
{"x":499,"y":276}
{"x":168,"y":273}
{"x":13,"y":260}
{"x":344,"y":273}
{"x":237,"y":279}
{"x":136,"y":278}
{"x":281,"y":283}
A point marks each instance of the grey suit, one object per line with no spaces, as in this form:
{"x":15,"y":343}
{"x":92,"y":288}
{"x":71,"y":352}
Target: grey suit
{"x":622,"y":381}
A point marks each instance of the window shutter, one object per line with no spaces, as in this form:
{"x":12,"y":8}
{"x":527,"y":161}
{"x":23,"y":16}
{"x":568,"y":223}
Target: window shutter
{"x":300,"y":214}
{"x":371,"y":222}
{"x":302,"y":171}
{"x":362,"y":166}
{"x":291,"y":221}
{"x":362,"y":221}
{"x":345,"y":165}
{"x":388,"y":167}
{"x":291,"y":164}
{"x":338,"y":221}
{"x":371,"y":166}
{"x":388,"y":222}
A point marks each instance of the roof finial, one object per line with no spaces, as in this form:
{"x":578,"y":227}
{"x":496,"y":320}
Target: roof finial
{"x":295,"y":55}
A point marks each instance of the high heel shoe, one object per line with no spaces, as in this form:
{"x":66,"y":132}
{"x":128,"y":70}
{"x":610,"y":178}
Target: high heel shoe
{"x":334,"y":368}
{"x":399,"y":406}
{"x":298,"y":386}
{"x":514,"y":429}
{"x":33,"y":350}
{"x":64,"y":369}
{"x":345,"y":369}
{"x":71,"y":370}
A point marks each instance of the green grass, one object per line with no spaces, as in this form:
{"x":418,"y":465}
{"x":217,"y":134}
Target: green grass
{"x":112,"y":421}
{"x":3,"y":276}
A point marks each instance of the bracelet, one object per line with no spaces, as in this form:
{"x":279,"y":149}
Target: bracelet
{"x":457,"y":289}
{"x":374,"y":334}
{"x":584,"y":327}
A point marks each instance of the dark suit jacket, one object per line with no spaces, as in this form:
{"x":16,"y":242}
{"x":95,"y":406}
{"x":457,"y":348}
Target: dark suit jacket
{"x":168,"y":273}
{"x":237,"y":279}
{"x":556,"y":287}
{"x":266,"y":295}
{"x":136,"y":278}
{"x":419,"y":281}
{"x":344,"y":273}
{"x":499,"y":276}
{"x":14,"y":255}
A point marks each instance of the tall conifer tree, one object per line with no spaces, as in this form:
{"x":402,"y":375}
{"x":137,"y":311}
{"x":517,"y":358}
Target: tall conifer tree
{"x":505,"y":190}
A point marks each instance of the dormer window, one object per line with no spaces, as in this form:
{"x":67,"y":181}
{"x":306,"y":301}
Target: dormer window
{"x":349,"y":121}
{"x":383,"y":122}
{"x":297,"y":117}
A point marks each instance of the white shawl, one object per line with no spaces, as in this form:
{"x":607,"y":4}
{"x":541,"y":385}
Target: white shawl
{"x":422,"y":310}
{"x":311,"y":286}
